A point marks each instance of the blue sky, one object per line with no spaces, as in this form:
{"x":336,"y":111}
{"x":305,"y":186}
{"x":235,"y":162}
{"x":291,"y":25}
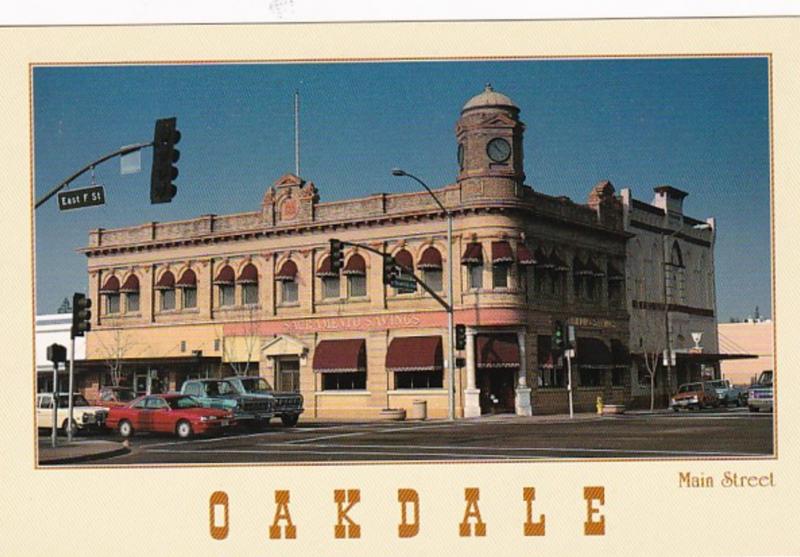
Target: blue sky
{"x":701,"y":125}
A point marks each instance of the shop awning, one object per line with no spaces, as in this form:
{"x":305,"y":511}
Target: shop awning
{"x":497,"y":351}
{"x":355,"y":266}
{"x":111,"y":286}
{"x":711,"y":357}
{"x":525,"y":255}
{"x":593,"y":353}
{"x":581,"y":269}
{"x":188,"y":280}
{"x":288,"y":271}
{"x":249,"y":275}
{"x":404,"y":259}
{"x":558,"y":264}
{"x":225,"y":276}
{"x":340,"y":356}
{"x":130,"y":285}
{"x":501,"y":253}
{"x":431,"y":259}
{"x":473,"y":255}
{"x":595,"y":270}
{"x":166,"y":282}
{"x":324,"y":270}
{"x":542,"y":261}
{"x":620,"y":355}
{"x":415,"y":354}
{"x":614,"y":274}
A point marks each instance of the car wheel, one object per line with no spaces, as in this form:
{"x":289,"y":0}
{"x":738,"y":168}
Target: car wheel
{"x":74,"y":427}
{"x":183,"y":429}
{"x":125,"y":429}
{"x":290,"y":420}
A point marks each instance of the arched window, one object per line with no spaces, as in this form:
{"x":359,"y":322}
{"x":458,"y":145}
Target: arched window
{"x":188,"y":285}
{"x":130,"y":288}
{"x":110,"y":291}
{"x":404,"y":259}
{"x":248,"y":278}
{"x":331,"y":285}
{"x":166,"y":289}
{"x":225,"y":286}
{"x":356,"y":272}
{"x":473,"y":260}
{"x":430,"y":263}
{"x":287,"y":276}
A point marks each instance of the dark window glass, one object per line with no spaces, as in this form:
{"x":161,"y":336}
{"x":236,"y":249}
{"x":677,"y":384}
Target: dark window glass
{"x":476,"y":276}
{"x":499,"y":276}
{"x":344,"y":381}
{"x":418,"y":380}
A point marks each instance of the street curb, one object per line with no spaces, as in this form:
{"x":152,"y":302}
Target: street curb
{"x":85,"y":458}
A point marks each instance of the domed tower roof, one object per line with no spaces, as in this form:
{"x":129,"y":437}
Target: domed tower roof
{"x":489,"y":98}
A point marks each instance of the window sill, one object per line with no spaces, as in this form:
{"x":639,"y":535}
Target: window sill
{"x":289,"y":305}
{"x":343,"y":392}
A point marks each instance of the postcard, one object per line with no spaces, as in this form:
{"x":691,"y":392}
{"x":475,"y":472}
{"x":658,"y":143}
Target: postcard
{"x":400,"y":288}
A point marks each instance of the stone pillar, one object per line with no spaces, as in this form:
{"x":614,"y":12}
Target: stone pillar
{"x":522,"y":401}
{"x":472,"y":402}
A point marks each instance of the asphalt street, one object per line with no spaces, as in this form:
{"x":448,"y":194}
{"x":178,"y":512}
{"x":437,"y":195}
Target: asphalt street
{"x":706,"y":434}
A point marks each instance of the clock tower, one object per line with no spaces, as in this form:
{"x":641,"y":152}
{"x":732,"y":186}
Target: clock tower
{"x":489,"y":151}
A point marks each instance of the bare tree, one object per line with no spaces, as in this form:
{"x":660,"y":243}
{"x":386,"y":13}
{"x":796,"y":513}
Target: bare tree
{"x":250,"y":342}
{"x":117,"y":346}
{"x":651,"y":365}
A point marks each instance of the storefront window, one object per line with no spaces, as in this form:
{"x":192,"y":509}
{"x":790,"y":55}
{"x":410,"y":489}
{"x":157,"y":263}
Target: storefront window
{"x":344,"y":381}
{"x":418,"y":380}
{"x":590,"y":377}
{"x":476,"y":276}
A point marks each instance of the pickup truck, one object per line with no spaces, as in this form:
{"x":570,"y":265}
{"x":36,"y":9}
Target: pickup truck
{"x":728,"y":394}
{"x":288,"y":405}
{"x":220,"y":393}
{"x":760,"y":395}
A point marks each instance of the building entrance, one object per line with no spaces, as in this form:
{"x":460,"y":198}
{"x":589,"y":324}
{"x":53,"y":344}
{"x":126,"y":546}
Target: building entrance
{"x":497,"y":390}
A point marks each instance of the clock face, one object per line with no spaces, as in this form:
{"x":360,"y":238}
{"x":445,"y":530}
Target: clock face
{"x":461,"y":156}
{"x":498,"y":149}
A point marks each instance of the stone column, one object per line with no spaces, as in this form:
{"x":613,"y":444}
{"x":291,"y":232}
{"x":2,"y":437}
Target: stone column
{"x":522,"y":402}
{"x":472,"y":403}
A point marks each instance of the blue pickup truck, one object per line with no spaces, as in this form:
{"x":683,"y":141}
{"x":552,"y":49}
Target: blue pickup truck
{"x":288,"y":405}
{"x":220,"y":393}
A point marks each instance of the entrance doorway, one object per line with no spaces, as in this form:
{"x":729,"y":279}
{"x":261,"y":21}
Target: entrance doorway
{"x":287,"y":374}
{"x":497,"y":390}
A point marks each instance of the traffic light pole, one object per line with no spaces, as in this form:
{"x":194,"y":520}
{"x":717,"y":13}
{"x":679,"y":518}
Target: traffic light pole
{"x":569,"y":382}
{"x":54,"y":434}
{"x":69,"y":396}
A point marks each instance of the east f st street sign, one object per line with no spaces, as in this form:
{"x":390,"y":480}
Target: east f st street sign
{"x":84,"y":197}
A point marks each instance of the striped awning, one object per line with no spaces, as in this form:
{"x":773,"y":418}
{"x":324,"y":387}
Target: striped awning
{"x":497,"y":351}
{"x":431,"y":259}
{"x":249,"y":275}
{"x":525,"y":255}
{"x":188,"y":280}
{"x":225,"y":276}
{"x":324,"y":270}
{"x":473,"y":255}
{"x":355,"y":266}
{"x":501,"y":253}
{"x":111,"y":286}
{"x":340,"y":356}
{"x":166,"y":282}
{"x":415,"y":354}
{"x":130,"y":285}
{"x":542,"y":260}
{"x":288,"y":271}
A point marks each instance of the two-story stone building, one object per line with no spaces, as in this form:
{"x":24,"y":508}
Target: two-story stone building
{"x":254,"y":293}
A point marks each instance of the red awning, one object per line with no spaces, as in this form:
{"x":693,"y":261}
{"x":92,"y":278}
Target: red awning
{"x":497,"y":351}
{"x":415,"y":354}
{"x":431,"y":259}
{"x":404,"y":259}
{"x":225,"y":275}
{"x":166,"y":282}
{"x":355,"y":266}
{"x":501,"y":253}
{"x":288,"y":271}
{"x":187,"y":280}
{"x":340,"y":356}
{"x":525,"y":255}
{"x":249,"y":275}
{"x":473,"y":255}
{"x":324,"y":270}
{"x":593,"y":353}
{"x":130,"y":285}
{"x":111,"y":286}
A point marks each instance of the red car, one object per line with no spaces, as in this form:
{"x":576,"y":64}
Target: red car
{"x":180,"y":414}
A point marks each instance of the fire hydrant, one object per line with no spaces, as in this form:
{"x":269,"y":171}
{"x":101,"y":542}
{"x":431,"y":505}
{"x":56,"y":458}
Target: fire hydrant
{"x":600,"y":405}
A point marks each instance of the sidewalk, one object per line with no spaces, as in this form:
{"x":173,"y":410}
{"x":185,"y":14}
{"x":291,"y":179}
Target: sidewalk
{"x":80,"y":450}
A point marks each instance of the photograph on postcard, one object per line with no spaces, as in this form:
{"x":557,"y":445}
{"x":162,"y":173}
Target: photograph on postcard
{"x":460,"y":260}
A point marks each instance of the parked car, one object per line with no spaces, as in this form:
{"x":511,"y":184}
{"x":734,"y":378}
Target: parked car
{"x":760,"y":394}
{"x":114,"y":396}
{"x":220,"y":393}
{"x":182,"y":415}
{"x":84,"y":415}
{"x":694,"y":395}
{"x":288,"y":405}
{"x":728,"y":394}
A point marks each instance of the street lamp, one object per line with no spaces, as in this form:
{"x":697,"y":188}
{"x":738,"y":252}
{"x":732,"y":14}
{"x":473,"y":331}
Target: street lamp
{"x":665,"y":242}
{"x":451,"y":402}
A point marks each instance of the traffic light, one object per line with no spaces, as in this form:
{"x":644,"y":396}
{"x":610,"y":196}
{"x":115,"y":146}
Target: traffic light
{"x":165,"y":155}
{"x":559,"y":342}
{"x":461,"y":337}
{"x":390,"y":270}
{"x":81,"y":316}
{"x":336,"y":255}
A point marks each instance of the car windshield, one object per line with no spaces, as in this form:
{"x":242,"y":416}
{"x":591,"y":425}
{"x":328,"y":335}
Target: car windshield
{"x":256,"y":385}
{"x":215,"y":388}
{"x":77,"y":400}
{"x":689,"y":388}
{"x":125,"y":395}
{"x":177,"y":403}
